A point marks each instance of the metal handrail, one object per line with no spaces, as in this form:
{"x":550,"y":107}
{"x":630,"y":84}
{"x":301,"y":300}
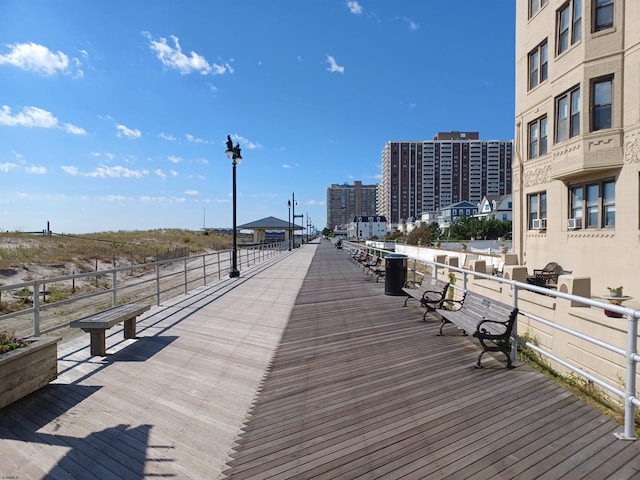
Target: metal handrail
{"x":179,"y":273}
{"x":630,"y":353}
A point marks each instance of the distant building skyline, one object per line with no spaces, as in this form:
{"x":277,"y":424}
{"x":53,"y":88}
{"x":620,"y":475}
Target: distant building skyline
{"x":344,"y":202}
{"x":426,"y":175}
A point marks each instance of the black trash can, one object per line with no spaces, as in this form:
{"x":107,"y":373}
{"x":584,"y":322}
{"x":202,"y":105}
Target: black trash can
{"x":395,"y":274}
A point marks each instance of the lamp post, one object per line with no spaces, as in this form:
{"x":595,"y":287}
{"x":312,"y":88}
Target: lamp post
{"x":289,"y":231}
{"x":233,"y":153}
{"x":293,"y":206}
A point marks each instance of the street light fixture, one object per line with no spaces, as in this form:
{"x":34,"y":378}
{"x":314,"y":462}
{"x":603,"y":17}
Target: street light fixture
{"x":289,"y":232}
{"x":233,"y":154}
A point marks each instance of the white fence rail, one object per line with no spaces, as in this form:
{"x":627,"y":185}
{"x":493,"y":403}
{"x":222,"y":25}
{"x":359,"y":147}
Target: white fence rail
{"x":46,"y":305}
{"x":627,"y":354}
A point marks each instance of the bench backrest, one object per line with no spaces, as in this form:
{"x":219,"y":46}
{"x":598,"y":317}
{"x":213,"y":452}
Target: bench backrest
{"x":486,"y":309}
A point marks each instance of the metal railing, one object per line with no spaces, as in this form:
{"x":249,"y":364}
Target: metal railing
{"x":73,"y":296}
{"x":628,"y":353}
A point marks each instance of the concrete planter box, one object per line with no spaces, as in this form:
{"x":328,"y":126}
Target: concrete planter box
{"x":25,"y":370}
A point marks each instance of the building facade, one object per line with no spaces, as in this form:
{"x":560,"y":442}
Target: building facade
{"x":427,"y":175}
{"x":364,"y":227}
{"x":577,"y":158}
{"x":346,"y":201}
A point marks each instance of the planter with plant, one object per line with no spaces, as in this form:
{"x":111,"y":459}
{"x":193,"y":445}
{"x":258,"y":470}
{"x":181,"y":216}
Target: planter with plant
{"x":615,"y":291}
{"x":25,"y":365}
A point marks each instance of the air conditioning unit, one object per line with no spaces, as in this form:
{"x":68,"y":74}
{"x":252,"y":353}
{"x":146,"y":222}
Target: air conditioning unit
{"x":574,"y":223}
{"x":543,"y":224}
{"x":535,"y":224}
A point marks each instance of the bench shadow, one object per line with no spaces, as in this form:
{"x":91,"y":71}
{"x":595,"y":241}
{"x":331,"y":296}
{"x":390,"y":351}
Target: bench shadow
{"x":142,"y":349}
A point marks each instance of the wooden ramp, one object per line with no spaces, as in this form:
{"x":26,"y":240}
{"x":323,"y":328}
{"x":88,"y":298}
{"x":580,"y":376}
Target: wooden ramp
{"x":360,"y":388}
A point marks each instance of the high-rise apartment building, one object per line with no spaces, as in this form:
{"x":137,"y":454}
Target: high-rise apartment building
{"x":577,"y":161}
{"x":424,"y":176}
{"x":344,"y":202}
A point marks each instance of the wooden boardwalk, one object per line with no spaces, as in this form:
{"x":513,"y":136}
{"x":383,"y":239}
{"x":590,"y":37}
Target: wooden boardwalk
{"x":302,"y":368}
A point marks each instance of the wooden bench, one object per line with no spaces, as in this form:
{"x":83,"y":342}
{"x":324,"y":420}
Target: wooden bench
{"x":491,"y":322}
{"x":429,"y":296}
{"x":380,"y":270}
{"x":360,"y":257}
{"x":370,"y":263}
{"x":97,"y":324}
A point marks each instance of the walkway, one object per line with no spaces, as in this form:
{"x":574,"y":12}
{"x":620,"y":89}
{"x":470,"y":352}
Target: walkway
{"x":333,"y":379}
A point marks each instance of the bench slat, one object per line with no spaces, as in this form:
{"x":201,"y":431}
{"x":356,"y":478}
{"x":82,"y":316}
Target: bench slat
{"x":490,"y":322}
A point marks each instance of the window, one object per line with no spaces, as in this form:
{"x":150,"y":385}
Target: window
{"x":601,"y":104}
{"x":538,"y":137}
{"x":569,"y":25}
{"x":537,"y":207}
{"x":538,"y":65}
{"x":535,"y":5}
{"x":594,"y":204}
{"x":603,"y":17}
{"x":568,"y":115}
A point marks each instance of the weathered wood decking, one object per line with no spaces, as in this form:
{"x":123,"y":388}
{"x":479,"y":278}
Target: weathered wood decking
{"x":360,"y":388}
{"x":355,"y":387}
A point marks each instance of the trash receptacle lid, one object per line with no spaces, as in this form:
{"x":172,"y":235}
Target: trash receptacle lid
{"x":396,"y":255}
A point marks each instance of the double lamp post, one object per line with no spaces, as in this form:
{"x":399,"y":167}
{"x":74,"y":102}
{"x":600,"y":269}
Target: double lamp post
{"x":233,"y":153}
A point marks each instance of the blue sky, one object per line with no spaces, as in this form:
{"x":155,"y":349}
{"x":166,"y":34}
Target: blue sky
{"x":114,"y":114}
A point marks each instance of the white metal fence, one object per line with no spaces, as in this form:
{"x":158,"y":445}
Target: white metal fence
{"x":627,"y":354}
{"x":48,"y":305}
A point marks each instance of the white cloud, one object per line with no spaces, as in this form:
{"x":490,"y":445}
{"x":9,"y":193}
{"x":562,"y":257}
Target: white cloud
{"x":314,"y":202}
{"x":173,"y":173}
{"x":193,"y":139}
{"x":36,"y":117}
{"x":174,"y":159}
{"x":354,"y":7}
{"x":106,"y":172}
{"x":38,"y":58}
{"x":7,"y":167}
{"x":286,"y":165}
{"x":113,"y":198}
{"x":173,"y":57}
{"x":123,"y":131}
{"x":161,"y":200}
{"x":412,"y":25}
{"x":36,"y":169}
{"x":167,"y":136}
{"x":333,"y":66}
{"x":245,"y":142}
{"x":73,"y":129}
{"x":160,"y":173}
{"x":191,"y":192}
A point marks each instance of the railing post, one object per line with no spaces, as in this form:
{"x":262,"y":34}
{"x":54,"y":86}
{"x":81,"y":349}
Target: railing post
{"x":204,"y":268}
{"x":630,"y":390}
{"x":36,"y":309}
{"x":219,"y":273}
{"x":514,"y":331}
{"x":186,"y":283}
{"x":157,"y":284}
{"x":464,"y":279}
{"x":114,"y":296}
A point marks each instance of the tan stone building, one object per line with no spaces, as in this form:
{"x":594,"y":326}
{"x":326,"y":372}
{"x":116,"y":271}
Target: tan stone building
{"x":576,"y":169}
